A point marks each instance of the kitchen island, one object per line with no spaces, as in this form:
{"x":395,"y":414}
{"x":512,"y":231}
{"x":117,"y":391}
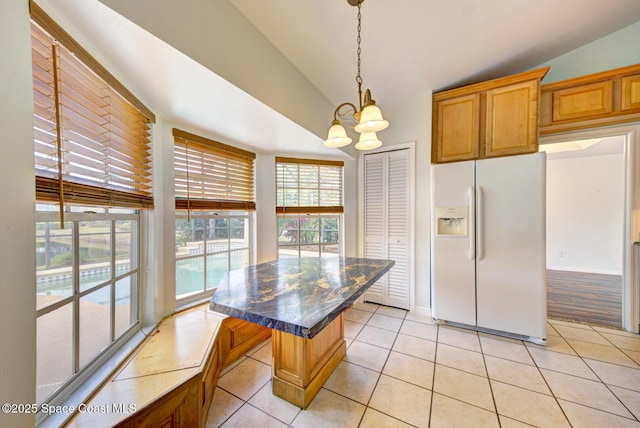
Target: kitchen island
{"x":302,"y":300}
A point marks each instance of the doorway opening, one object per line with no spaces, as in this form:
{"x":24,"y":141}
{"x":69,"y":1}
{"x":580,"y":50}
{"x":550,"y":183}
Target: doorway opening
{"x":590,"y":195}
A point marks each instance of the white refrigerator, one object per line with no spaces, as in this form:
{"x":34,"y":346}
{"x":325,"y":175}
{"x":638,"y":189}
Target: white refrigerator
{"x":488,"y":245}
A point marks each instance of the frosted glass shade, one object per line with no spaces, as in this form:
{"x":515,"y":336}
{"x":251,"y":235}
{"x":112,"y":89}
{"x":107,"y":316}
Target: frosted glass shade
{"x":368,"y":141}
{"x":337,"y":136}
{"x":371,"y":120}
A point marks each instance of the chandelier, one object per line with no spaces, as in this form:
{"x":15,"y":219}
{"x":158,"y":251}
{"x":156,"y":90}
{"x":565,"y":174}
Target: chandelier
{"x":366,"y":120}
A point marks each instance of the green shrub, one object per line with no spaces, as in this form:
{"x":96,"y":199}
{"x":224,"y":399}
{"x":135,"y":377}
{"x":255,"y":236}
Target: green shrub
{"x":62,"y":260}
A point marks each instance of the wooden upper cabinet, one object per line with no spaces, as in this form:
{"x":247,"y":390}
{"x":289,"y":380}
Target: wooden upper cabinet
{"x":458,"y":120}
{"x":583,"y":101}
{"x":512,"y":119}
{"x":631,"y":92}
{"x":494,"y":118}
{"x":591,"y":101}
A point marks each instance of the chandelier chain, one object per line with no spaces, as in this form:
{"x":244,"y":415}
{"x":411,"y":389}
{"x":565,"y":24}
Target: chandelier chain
{"x":365,"y":117}
{"x":358,"y":77}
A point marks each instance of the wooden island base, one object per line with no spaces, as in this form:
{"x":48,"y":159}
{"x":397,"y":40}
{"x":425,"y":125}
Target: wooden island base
{"x":301,"y":366}
{"x":303,"y":300}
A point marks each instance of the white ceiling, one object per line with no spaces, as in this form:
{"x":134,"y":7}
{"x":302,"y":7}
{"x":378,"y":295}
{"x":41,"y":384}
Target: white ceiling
{"x":581,"y":148}
{"x":408,"y":47}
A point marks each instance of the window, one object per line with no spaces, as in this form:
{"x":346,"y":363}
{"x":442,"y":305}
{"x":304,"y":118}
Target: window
{"x":215,"y":193}
{"x":93,"y":175}
{"x":308,"y":236}
{"x":209,"y":244}
{"x":87,"y":284}
{"x":309,"y":207}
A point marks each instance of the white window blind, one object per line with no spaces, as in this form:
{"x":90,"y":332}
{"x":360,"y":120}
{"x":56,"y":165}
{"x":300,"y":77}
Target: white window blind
{"x":307,"y":186}
{"x":211,"y":175}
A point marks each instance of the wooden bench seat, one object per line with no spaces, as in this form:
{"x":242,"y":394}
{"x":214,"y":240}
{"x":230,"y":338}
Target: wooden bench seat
{"x":170,"y":379}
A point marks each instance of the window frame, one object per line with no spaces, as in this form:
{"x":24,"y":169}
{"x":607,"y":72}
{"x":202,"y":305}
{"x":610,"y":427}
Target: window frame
{"x":221,"y":183}
{"x":320,"y":244}
{"x":186,"y":299}
{"x":306,"y":211}
{"x":318,"y":208}
{"x":80,"y":372}
{"x":65,"y":191}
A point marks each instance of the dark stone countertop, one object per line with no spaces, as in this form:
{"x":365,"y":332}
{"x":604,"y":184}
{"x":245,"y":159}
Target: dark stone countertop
{"x":300,"y":296}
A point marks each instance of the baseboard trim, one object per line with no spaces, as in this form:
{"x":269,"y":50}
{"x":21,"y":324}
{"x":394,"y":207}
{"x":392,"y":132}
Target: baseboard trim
{"x":585,"y":270}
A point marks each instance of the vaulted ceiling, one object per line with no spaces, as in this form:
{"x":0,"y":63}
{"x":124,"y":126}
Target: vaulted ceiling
{"x":408,"y":47}
{"x":412,"y":45}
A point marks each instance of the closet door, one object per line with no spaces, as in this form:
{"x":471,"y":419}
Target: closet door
{"x":398,"y":228}
{"x":387,"y":225}
{"x":375,"y":219}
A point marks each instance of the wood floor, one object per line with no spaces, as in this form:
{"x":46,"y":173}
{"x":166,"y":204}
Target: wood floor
{"x":585,"y":297}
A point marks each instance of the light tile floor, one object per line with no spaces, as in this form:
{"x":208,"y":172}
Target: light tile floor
{"x":401,"y":370}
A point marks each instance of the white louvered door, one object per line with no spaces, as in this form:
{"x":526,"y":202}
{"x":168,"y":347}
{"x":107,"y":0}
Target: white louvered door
{"x":387,"y":224}
{"x":375,"y":215}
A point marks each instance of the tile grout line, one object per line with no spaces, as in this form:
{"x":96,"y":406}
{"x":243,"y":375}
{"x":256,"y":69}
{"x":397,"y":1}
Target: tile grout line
{"x":599,"y":380}
{"x":547,"y":383}
{"x":401,"y":380}
{"x":245,"y":402}
{"x":433,"y":380}
{"x":379,"y":373}
{"x":381,"y":370}
{"x":486,"y":369}
{"x":366,"y":406}
{"x":606,"y":384}
{"x":528,"y":349}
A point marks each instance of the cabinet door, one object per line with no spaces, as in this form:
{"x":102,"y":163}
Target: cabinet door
{"x":631,"y":92}
{"x":592,"y":101}
{"x":512,"y":119}
{"x":457,"y":129}
{"x":583,"y":101}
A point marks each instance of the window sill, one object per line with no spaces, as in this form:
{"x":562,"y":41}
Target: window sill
{"x":161,"y":382}
{"x":93,"y":383}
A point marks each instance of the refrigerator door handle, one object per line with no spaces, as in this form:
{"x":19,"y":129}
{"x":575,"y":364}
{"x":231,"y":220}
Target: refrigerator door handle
{"x":472,"y":233}
{"x":480,"y":224}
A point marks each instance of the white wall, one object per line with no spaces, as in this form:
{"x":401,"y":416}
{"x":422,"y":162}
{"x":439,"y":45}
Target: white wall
{"x":218,"y":36}
{"x":351,"y":208}
{"x":618,"y":49}
{"x":160,"y":298}
{"x":17,"y":229}
{"x":615,"y":50}
{"x":266,"y":222}
{"x":585,"y":207}
{"x":412,"y":122}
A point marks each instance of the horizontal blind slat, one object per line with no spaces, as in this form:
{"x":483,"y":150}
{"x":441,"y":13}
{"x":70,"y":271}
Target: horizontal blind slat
{"x":305,"y":186}
{"x":105,"y":140}
{"x":82,"y":193}
{"x":212,"y":175}
{"x":51,"y":27}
